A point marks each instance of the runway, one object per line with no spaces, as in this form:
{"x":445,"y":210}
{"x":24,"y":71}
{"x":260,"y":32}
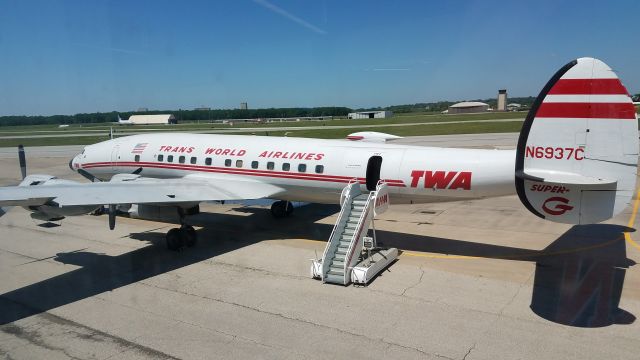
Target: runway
{"x":476,"y":280}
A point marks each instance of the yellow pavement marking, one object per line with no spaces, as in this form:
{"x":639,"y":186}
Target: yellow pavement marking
{"x":632,"y":220}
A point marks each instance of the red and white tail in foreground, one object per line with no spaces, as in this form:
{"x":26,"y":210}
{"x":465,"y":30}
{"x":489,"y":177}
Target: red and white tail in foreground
{"x":577,"y":153}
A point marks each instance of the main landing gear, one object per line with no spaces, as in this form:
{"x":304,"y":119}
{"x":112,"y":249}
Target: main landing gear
{"x":281,"y":209}
{"x":185,"y":235}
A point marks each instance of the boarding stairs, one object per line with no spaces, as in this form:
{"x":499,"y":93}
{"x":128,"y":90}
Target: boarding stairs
{"x":344,"y":251}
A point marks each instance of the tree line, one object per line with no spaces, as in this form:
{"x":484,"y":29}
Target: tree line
{"x":214,"y":114}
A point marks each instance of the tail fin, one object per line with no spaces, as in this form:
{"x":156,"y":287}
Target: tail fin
{"x":577,"y":154}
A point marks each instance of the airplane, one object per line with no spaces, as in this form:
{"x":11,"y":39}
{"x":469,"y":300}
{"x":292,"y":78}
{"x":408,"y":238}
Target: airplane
{"x":575,"y":163}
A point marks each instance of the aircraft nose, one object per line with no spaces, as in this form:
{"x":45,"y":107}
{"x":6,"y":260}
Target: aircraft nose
{"x":71,"y":164}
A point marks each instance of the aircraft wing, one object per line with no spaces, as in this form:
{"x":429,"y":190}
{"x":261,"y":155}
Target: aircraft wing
{"x":137,"y":190}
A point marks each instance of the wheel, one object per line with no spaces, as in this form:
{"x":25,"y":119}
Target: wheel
{"x":278,"y":209}
{"x":174,"y":239}
{"x":288,"y":208}
{"x":189,"y":235}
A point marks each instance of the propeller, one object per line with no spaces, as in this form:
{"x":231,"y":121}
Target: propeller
{"x":87,"y":175}
{"x":23,"y":161}
{"x":112,"y":217}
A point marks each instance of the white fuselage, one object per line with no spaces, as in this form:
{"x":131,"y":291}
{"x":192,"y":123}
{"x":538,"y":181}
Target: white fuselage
{"x":310,"y":170}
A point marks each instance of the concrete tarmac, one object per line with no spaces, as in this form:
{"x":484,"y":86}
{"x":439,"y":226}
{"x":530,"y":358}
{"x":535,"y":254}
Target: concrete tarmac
{"x":476,"y":280}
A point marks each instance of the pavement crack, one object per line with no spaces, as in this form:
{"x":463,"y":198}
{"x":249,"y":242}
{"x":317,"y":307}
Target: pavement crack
{"x":289,"y":318}
{"x":416,"y":284}
{"x":469,"y":351}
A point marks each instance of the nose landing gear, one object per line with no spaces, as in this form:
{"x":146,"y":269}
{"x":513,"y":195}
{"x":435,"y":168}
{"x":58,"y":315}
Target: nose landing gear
{"x":281,"y":209}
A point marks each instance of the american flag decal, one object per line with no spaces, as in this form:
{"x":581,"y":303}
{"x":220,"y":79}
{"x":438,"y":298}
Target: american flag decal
{"x":139,"y":148}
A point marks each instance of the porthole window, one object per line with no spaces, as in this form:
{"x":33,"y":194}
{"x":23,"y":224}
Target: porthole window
{"x":207,"y":161}
{"x":302,"y":168}
{"x":319,"y":169}
{"x":137,"y":158}
{"x":170,"y":158}
{"x":239,"y":163}
{"x":181,"y":159}
{"x":227,"y":162}
{"x":254,"y":164}
{"x":194,"y":159}
{"x":160,"y":158}
{"x":286,"y":167}
{"x":271,"y":165}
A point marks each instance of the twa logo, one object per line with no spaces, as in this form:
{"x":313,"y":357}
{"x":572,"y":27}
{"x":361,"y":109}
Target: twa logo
{"x":556,"y":205}
{"x":382,"y":200}
{"x":442,"y":179}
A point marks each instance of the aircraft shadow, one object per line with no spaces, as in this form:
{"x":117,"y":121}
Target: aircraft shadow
{"x":578,"y":279}
{"x":99,"y":272}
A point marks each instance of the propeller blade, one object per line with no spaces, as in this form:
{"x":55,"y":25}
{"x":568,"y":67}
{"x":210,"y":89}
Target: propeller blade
{"x":87,"y":175}
{"x":112,"y":217}
{"x":23,"y":161}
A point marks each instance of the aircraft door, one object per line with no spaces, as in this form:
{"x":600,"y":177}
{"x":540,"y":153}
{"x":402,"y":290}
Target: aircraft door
{"x":373,"y":172}
{"x":115,"y":157}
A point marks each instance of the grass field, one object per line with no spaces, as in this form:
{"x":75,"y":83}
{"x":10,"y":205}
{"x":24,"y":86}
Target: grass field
{"x":412,"y":130}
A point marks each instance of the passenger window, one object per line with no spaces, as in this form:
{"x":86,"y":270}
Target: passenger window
{"x":194,"y":160}
{"x":254,"y":164}
{"x":319,"y":169}
{"x":137,"y":158}
{"x":181,"y":159}
{"x":302,"y":168}
{"x":227,"y":162}
{"x":207,"y":161}
{"x":286,"y":167}
{"x":270,"y":165}
{"x":160,"y":157}
{"x":170,"y":158}
{"x":239,"y":163}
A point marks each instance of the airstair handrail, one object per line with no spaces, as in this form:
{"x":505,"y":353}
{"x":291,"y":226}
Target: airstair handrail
{"x":345,"y":197}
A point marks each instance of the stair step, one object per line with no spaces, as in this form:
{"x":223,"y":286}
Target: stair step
{"x":338,"y":263}
{"x":339,"y":257}
{"x":336,"y":272}
{"x":341,"y":252}
{"x":339,"y":268}
{"x":334,"y":279}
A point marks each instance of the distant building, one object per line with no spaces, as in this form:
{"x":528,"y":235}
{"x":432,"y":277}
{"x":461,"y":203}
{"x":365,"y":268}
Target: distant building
{"x":203,"y":108}
{"x":468,"y":107}
{"x":502,"y":100}
{"x":142,"y":109}
{"x":243,"y":106}
{"x":514,"y":107}
{"x":151,"y":119}
{"x":370,"y":114}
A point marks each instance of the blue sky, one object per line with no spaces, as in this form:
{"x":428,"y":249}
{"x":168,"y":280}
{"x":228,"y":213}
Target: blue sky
{"x":66,"y":57}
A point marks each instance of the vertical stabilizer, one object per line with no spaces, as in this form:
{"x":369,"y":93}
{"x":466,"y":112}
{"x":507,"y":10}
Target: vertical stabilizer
{"x":577,"y":154}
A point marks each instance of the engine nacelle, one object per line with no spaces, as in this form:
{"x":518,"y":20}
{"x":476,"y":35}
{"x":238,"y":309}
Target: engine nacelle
{"x":51,"y":211}
{"x":160,"y":213}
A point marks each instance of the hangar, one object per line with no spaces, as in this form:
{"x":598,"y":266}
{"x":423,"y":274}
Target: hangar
{"x":381,"y":114}
{"x":468,"y":107}
{"x":152,"y":119}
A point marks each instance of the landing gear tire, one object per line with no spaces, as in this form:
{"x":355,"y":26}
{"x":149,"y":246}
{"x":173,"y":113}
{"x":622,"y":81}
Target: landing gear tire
{"x":175,"y":239}
{"x":190,"y":235}
{"x":281,"y":209}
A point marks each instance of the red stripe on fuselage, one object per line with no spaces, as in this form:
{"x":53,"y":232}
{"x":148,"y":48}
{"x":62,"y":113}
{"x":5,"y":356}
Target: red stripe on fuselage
{"x":236,"y":171}
{"x":587,"y":110}
{"x":588,"y":87}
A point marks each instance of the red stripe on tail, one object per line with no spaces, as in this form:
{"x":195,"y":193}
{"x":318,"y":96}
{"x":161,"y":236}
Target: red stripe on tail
{"x":587,"y":110}
{"x":588,"y":87}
